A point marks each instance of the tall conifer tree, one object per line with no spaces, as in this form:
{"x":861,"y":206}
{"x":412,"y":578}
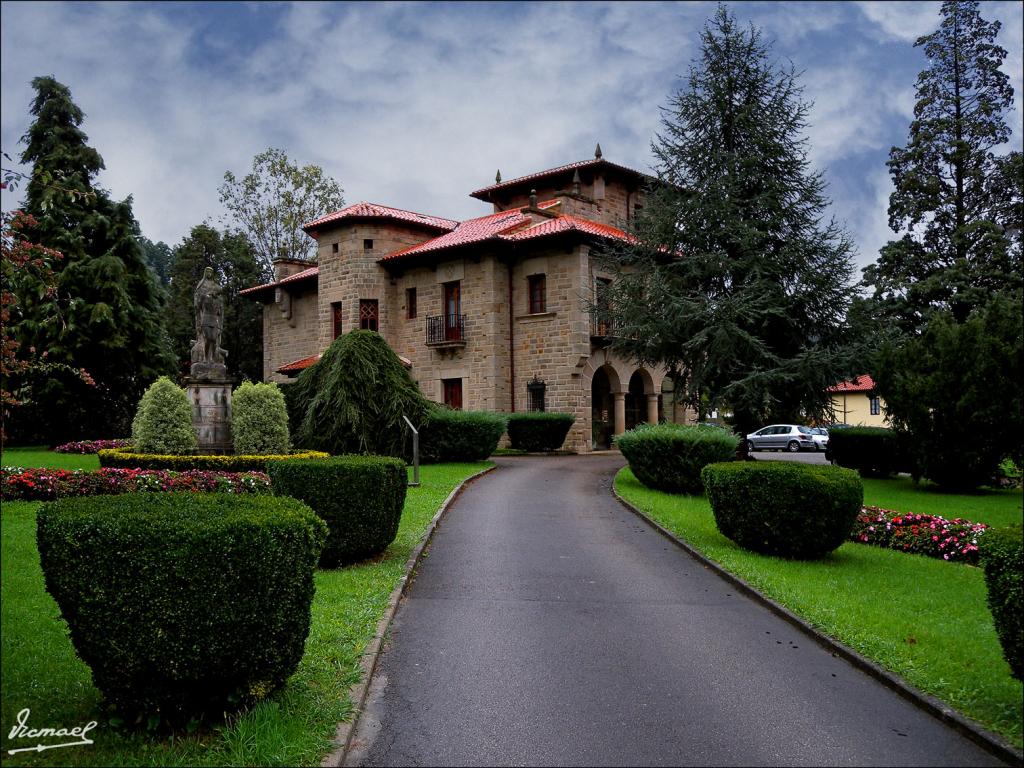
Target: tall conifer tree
{"x":111,"y":322}
{"x":734,"y":283}
{"x":956,"y":203}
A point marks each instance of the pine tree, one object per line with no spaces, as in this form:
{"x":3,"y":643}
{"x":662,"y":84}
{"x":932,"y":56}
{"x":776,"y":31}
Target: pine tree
{"x":733,"y":282}
{"x":232,"y":260}
{"x":110,"y":314}
{"x":954,"y":199}
{"x":158,"y":257}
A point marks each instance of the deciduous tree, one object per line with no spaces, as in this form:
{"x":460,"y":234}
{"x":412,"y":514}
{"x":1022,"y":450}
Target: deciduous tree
{"x":272,"y":202}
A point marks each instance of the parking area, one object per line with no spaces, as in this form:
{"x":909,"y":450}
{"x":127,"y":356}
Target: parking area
{"x":804,"y":457}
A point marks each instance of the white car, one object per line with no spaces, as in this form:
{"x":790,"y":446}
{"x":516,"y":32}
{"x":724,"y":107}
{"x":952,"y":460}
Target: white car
{"x":820,"y":436}
{"x":781,"y":437}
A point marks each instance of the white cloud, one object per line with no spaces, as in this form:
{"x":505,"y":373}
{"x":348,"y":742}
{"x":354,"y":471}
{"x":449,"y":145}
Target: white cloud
{"x":902,"y":20}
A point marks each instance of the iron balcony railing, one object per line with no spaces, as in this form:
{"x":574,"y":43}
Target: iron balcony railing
{"x":446,"y":329}
{"x":600,"y":328}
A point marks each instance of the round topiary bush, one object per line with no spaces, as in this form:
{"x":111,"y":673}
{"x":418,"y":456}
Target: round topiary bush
{"x":1002,"y":554}
{"x":539,"y":430}
{"x":183,"y":603}
{"x":449,"y":435}
{"x":801,"y":511}
{"x":353,"y":398}
{"x":163,"y":421}
{"x":359,"y":497}
{"x":259,"y":419}
{"x":670,"y":457}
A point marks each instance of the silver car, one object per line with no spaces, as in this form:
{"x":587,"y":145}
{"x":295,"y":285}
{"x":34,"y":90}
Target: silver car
{"x":820,"y":435}
{"x":781,"y":437}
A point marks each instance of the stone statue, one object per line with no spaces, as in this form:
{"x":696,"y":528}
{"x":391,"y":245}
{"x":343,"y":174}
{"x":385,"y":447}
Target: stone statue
{"x":207,"y":355}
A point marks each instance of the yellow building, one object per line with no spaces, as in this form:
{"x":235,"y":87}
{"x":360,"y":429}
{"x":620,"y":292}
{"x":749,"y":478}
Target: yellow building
{"x":857,"y":403}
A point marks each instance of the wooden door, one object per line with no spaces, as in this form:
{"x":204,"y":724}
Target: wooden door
{"x":452,"y":312}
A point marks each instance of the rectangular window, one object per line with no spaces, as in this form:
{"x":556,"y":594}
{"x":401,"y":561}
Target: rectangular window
{"x":453,"y":311}
{"x":410,"y":303}
{"x":601,"y":322}
{"x":535,"y":391}
{"x":336,"y":319}
{"x":334,"y":247}
{"x":453,"y":393}
{"x":368,"y":315}
{"x":538,"y":297}
{"x":876,"y":405}
{"x":367,"y":244}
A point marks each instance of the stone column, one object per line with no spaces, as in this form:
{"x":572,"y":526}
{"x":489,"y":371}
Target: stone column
{"x":652,"y":409}
{"x":620,"y":412}
{"x":211,"y":414}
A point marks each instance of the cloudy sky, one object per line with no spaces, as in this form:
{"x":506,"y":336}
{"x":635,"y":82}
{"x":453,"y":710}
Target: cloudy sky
{"x":416,"y":104}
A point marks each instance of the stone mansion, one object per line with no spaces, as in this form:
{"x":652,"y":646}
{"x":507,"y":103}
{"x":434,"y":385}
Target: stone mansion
{"x":487,"y":314}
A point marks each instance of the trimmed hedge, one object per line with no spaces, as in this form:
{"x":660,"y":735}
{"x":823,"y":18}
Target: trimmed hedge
{"x":259,"y":420}
{"x":670,"y":457}
{"x":183,"y":604}
{"x":800,"y":511}
{"x":1002,"y":555}
{"x":180,"y":462}
{"x":163,"y":421}
{"x":449,"y":435}
{"x":359,"y":497}
{"x":539,"y":430}
{"x":872,"y":451}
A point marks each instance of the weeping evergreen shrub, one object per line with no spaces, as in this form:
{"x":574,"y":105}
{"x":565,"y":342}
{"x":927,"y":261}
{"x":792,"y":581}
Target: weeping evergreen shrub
{"x":259,"y":419}
{"x":163,"y":421}
{"x":353,"y":398}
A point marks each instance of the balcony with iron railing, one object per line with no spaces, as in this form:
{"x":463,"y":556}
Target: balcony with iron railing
{"x":601,"y":331}
{"x":446,"y":331}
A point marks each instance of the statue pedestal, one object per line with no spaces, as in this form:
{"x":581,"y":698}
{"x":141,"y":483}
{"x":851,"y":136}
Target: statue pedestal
{"x":211,"y":413}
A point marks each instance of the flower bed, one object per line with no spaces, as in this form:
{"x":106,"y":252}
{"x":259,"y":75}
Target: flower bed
{"x":91,"y":446}
{"x":930,"y":535}
{"x":19,"y":484}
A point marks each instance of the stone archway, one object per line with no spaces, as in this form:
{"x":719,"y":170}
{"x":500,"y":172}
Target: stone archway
{"x":603,"y":386}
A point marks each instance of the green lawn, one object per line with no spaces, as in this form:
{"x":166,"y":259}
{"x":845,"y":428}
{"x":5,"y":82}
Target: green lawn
{"x":924,"y":619}
{"x":41,"y":671}
{"x":43,"y":457}
{"x":994,"y":507}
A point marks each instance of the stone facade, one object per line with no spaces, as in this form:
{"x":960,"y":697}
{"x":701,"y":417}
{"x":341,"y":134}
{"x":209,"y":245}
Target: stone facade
{"x":502,"y":350}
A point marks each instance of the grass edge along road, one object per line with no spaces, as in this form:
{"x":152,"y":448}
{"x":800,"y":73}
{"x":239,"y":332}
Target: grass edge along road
{"x":922,"y":618}
{"x":296,"y":726}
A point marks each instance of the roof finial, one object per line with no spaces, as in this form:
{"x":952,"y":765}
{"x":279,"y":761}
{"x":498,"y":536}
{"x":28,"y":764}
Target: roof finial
{"x":597,"y":151}
{"x":533,"y":198}
{"x":497,"y":177}
{"x":576,"y":181}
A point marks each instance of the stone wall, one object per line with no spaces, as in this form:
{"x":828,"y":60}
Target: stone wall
{"x":289,"y":338}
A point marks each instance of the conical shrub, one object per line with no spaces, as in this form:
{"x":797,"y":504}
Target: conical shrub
{"x":163,"y":421}
{"x":352,"y":400}
{"x":259,"y":420}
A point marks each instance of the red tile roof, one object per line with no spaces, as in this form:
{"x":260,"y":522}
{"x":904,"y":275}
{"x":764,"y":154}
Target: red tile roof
{"x":567,"y":223}
{"x":471,"y":231}
{"x":374,"y":211}
{"x":306,"y":274}
{"x":592,"y":163}
{"x":297,"y":366}
{"x":509,"y":226}
{"x":862,"y":383}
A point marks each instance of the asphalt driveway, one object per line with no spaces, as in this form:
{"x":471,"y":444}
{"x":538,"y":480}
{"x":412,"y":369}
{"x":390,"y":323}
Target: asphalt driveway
{"x":550,"y":626}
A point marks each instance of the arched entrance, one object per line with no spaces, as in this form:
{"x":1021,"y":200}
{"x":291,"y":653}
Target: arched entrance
{"x":602,"y":410}
{"x":636,"y":402}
